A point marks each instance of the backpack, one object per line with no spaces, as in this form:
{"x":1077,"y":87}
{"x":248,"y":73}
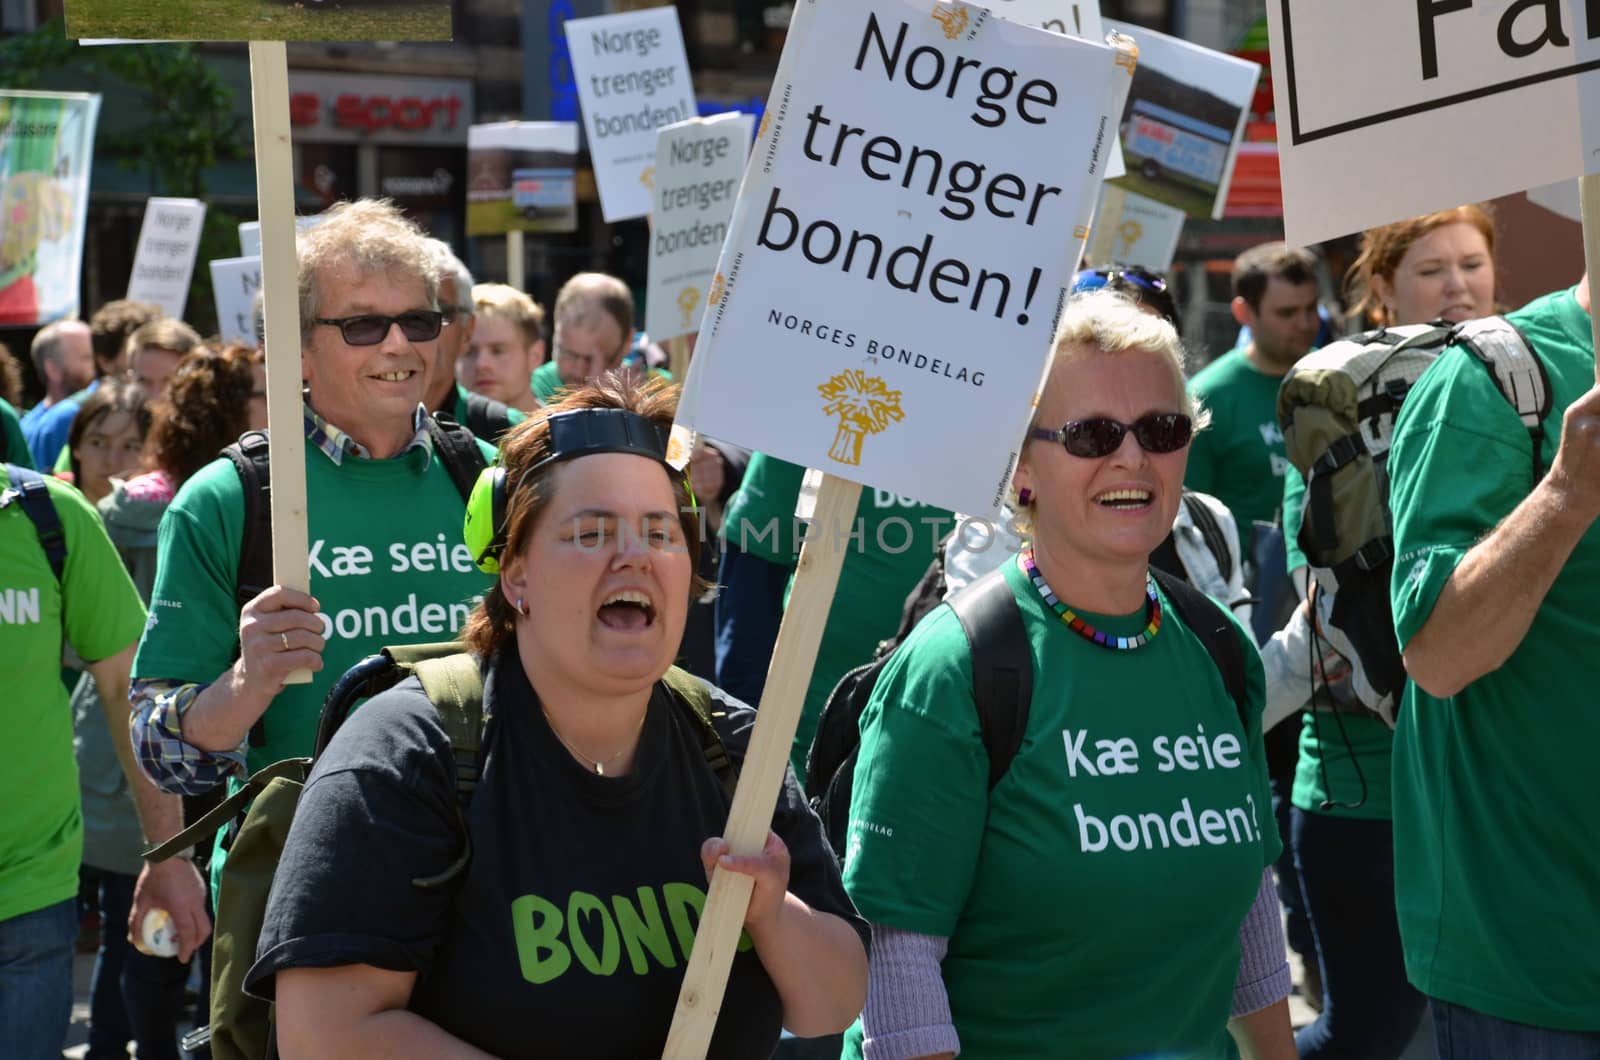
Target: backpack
{"x":1002,"y":686}
{"x":486,"y":418}
{"x":29,"y":490}
{"x":1337,"y":408}
{"x":241,"y":1024}
{"x":453,"y":444}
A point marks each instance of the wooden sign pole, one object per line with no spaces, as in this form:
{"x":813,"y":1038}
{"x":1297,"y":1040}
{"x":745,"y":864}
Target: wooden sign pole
{"x":1589,"y":203}
{"x":515,"y":272}
{"x":269,"y":94}
{"x":750,"y":818}
{"x":678,"y":358}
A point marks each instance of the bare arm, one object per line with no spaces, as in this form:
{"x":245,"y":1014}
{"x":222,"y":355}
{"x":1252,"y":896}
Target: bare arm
{"x":1491,"y":598}
{"x":355,"y":1011}
{"x":1265,"y":1034}
{"x":279,"y":632}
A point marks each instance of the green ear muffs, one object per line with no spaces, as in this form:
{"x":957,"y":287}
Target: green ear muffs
{"x":484,"y":529}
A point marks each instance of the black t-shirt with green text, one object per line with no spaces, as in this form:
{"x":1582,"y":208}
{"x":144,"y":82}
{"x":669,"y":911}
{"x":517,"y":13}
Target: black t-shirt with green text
{"x":570,"y":932}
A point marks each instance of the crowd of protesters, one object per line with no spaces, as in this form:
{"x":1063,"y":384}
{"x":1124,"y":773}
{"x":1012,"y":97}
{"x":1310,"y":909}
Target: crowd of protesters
{"x":1432,"y":868}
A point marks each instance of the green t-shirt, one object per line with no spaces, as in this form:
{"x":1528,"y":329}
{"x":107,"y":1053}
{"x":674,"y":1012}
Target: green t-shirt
{"x":1105,"y":877}
{"x":97,"y":610}
{"x":1497,"y":846}
{"x":891,"y":544}
{"x":388,"y":566}
{"x":15,"y":447}
{"x":546,"y":381}
{"x":1294,"y":506}
{"x":1240,"y":458}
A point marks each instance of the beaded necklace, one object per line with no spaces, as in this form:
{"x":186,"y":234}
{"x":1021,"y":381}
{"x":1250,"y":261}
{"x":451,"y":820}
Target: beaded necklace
{"x":1088,"y":632}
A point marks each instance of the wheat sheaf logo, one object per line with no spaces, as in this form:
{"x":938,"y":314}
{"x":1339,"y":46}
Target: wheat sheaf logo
{"x":647,"y":177}
{"x":717,"y":287}
{"x":1130,"y":231}
{"x":864,"y":404}
{"x":953,"y":19}
{"x":689,"y":301}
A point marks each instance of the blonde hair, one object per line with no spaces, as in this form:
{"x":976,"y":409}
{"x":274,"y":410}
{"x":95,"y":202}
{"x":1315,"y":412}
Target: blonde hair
{"x":371,"y":235}
{"x":505,"y":302}
{"x":174,"y":336}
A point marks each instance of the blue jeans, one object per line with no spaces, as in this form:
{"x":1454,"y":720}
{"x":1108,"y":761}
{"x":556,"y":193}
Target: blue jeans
{"x":36,"y":981}
{"x":1369,"y":1009}
{"x":749,"y":610}
{"x":1464,"y":1034}
{"x":131,"y":995}
{"x":1297,"y":927}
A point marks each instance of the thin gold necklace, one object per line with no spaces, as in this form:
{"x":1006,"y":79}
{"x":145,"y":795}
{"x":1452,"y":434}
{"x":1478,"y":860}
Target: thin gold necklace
{"x":598,"y":763}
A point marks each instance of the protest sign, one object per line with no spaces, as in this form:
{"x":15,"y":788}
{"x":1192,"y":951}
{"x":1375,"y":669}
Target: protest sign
{"x":250,"y":238}
{"x":1183,"y":121}
{"x":163,"y":260}
{"x":151,"y":21}
{"x":46,"y":148}
{"x":1130,"y":229}
{"x":1427,"y":106}
{"x":633,"y":78}
{"x":878,"y":280}
{"x":699,"y":164}
{"x":908,"y":221}
{"x":522,"y":176}
{"x":234,"y":282}
{"x":1559,"y":198}
{"x":1079,"y":18}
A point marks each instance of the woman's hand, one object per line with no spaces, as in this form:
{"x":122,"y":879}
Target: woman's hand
{"x":769,"y":869}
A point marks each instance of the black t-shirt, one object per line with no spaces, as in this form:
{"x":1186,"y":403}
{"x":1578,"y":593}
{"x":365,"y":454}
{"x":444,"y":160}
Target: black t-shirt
{"x":569,"y":933}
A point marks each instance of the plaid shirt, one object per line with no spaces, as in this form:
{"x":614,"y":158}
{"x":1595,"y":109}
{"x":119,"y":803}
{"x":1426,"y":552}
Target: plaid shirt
{"x":159,"y":704}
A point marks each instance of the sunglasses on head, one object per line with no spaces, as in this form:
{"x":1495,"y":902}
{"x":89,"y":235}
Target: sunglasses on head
{"x":1097,"y":436}
{"x":1094,"y":279}
{"x":369,"y":329}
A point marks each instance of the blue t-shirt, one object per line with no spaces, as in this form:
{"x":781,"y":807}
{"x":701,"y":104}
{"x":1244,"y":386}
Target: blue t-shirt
{"x":46,"y":429}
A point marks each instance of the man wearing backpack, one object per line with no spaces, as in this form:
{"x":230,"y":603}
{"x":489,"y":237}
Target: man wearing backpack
{"x":61,"y":583}
{"x":1497,"y":845}
{"x":384,"y":486}
{"x":483,"y":416}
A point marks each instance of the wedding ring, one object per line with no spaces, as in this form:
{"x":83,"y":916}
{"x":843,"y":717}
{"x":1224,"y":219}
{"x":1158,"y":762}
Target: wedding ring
{"x":285,"y":637}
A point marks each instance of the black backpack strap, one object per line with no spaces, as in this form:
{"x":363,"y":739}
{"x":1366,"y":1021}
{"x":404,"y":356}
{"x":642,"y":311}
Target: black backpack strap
{"x":1205,"y":521}
{"x":456,"y":446}
{"x":1208,"y":622}
{"x":254,"y":576}
{"x":28,"y":489}
{"x":1166,"y":557}
{"x":487,"y":418}
{"x":1002,"y":666}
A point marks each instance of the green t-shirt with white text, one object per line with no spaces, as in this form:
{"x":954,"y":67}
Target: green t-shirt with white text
{"x":1497,"y":846}
{"x":1239,"y":458}
{"x":890,"y":546}
{"x":388,"y":566}
{"x":1105,"y":877}
{"x":96,"y":609}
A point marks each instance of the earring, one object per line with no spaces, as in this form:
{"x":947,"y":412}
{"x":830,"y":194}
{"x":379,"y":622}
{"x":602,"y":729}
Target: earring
{"x":1025,"y":497}
{"x":521,"y":608}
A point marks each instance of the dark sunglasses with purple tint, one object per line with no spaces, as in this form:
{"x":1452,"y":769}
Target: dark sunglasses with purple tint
{"x":1159,"y":432}
{"x":369,"y":329}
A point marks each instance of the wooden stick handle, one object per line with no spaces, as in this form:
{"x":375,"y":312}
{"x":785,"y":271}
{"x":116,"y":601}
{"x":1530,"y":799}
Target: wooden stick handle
{"x":516,"y":273}
{"x":678,"y":358}
{"x":1589,"y":201}
{"x":269,"y":94}
{"x":793,"y":657}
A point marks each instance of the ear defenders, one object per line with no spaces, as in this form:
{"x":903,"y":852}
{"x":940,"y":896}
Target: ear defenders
{"x":579,"y":432}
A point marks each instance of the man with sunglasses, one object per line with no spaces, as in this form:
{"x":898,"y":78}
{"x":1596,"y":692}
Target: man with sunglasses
{"x":384,"y":511}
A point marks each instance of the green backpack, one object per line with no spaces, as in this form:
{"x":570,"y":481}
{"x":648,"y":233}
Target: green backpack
{"x":241,"y":1025}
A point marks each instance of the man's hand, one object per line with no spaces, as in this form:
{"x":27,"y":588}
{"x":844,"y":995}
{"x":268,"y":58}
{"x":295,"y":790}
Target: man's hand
{"x":173,"y":885}
{"x":1576,"y":471}
{"x":279,"y":632}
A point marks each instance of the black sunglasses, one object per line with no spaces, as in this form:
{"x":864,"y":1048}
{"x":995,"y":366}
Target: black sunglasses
{"x":1159,"y":432}
{"x":369,"y":329}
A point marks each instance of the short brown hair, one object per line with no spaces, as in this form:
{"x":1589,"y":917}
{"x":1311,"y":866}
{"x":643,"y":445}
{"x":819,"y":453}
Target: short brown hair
{"x":1255,"y":267}
{"x":493,"y":622}
{"x":174,"y":336}
{"x":112,"y":395}
{"x":589,"y":293}
{"x":207,"y":407}
{"x":113,"y":322}
{"x":1384,"y":246}
{"x":507,"y":303}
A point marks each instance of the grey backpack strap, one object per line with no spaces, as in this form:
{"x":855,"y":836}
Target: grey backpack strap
{"x":1505,"y":351}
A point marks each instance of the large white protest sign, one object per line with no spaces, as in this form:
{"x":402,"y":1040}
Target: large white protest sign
{"x":1184,"y":120}
{"x":699,"y":164}
{"x":1559,"y":198}
{"x":164,"y":259}
{"x":633,"y":78}
{"x":1388,"y":110}
{"x":1080,"y":18}
{"x":1130,"y":229}
{"x":234,"y":283}
{"x":916,"y":201}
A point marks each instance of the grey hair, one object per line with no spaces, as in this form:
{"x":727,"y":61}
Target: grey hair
{"x":453,"y":269}
{"x":46,"y":348}
{"x":371,"y":235}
